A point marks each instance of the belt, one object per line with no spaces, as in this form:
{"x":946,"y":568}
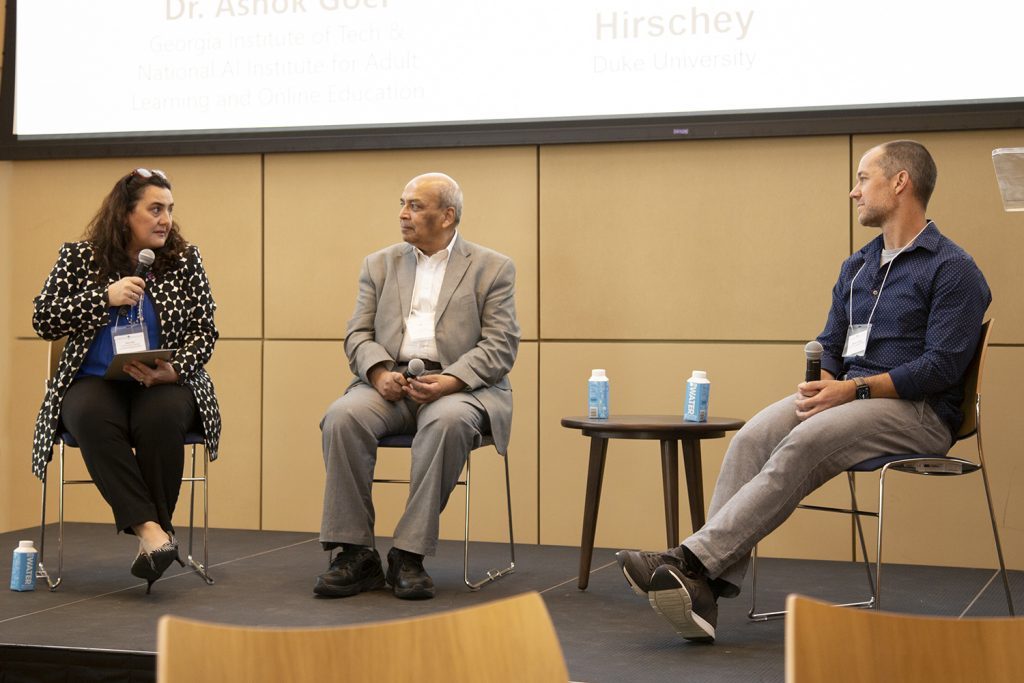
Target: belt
{"x":427,"y":365}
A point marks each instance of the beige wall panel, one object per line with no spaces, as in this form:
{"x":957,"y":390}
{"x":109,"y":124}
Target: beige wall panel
{"x":236,"y":369}
{"x":23,"y":377}
{"x":968,"y":209}
{"x":7,"y":449}
{"x":300,"y":380}
{"x":293,"y":463}
{"x":217,"y":203}
{"x":736,"y":239}
{"x":325,"y":212}
{"x":82,"y":503}
{"x":955,"y":514}
{"x":645,"y":378}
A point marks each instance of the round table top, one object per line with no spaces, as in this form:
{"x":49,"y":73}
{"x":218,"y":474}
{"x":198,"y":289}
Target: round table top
{"x":653,"y":426}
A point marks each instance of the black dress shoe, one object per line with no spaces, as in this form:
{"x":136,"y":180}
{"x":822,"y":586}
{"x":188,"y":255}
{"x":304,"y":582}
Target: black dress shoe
{"x":354,"y":570}
{"x":407,"y":577}
{"x":152,"y":565}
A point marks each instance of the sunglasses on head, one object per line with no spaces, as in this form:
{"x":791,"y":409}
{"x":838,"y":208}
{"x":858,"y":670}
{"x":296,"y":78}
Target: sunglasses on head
{"x":145,"y":173}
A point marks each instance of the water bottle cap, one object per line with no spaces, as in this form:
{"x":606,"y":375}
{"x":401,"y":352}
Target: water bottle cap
{"x":597,"y":372}
{"x":700,"y":374}
{"x":26,"y":544}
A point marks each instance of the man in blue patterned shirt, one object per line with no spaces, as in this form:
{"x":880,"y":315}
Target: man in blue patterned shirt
{"x":905,"y":321}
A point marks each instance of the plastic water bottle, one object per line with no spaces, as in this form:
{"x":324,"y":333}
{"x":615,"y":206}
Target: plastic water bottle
{"x":597,"y":395}
{"x":698,"y":390}
{"x":23,"y":567}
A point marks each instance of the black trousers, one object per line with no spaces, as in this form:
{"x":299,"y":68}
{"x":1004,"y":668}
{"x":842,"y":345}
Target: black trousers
{"x":132,"y":439}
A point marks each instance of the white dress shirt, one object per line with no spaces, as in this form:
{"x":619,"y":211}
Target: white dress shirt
{"x":418,"y":340}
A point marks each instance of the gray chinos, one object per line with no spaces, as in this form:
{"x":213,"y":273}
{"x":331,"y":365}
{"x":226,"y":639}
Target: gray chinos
{"x":446,"y":431}
{"x":775,"y":460}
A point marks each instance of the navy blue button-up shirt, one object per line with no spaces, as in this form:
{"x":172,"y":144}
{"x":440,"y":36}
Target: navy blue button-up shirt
{"x":926,"y":326}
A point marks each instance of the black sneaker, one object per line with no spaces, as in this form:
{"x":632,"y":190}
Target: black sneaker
{"x":638,"y":566}
{"x":354,"y":570}
{"x":407,"y":577}
{"x":686,"y":600}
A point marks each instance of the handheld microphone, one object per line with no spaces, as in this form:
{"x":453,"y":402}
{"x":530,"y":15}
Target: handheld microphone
{"x":813,"y":352}
{"x":146,"y":258}
{"x":415,"y":368}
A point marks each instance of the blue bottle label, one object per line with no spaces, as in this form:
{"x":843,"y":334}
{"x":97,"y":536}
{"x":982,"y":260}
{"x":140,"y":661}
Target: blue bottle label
{"x":23,"y":572}
{"x":696,"y":404}
{"x":597,"y":400}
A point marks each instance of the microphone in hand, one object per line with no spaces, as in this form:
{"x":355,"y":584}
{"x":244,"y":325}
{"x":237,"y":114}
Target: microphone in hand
{"x":813,"y":351}
{"x":414,"y":369}
{"x":146,"y":258}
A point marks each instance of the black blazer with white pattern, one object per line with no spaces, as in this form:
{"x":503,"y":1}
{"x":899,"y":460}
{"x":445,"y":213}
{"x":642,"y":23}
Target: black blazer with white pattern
{"x":72,"y":305}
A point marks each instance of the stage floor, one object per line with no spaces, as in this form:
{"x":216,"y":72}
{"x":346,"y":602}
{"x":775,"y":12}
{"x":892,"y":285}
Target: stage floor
{"x":607,"y":632}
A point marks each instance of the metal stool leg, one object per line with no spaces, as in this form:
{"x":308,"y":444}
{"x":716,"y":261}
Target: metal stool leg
{"x":199,"y":567}
{"x":60,"y":521}
{"x":493,"y":574}
{"x":991,"y":510}
{"x":41,"y":572}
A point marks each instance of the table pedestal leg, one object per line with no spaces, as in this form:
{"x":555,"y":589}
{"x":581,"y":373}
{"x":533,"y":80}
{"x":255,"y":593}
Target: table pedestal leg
{"x":694,"y":481}
{"x":595,"y":474}
{"x":670,"y":484}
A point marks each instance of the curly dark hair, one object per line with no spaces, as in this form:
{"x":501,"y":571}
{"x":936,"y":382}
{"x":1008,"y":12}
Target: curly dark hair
{"x":109,"y":234}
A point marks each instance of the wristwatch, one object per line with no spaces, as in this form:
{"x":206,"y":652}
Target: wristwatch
{"x":863,"y":390}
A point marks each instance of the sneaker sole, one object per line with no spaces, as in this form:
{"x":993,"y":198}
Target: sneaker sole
{"x":414,"y":593}
{"x":620,"y":557}
{"x":329,"y":591}
{"x":675,"y":606}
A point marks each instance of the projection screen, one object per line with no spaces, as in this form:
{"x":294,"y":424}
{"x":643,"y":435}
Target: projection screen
{"x":99,"y":77}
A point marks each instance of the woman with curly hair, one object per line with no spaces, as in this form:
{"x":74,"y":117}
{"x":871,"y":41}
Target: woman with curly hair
{"x":131,"y":429}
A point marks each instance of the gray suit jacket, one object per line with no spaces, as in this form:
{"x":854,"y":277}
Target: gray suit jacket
{"x":475,"y":328}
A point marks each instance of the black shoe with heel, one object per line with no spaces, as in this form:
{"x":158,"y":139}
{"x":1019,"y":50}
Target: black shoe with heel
{"x":152,"y":565}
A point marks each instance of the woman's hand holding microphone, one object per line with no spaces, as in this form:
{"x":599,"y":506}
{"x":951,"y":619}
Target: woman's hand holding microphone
{"x":126,"y":292}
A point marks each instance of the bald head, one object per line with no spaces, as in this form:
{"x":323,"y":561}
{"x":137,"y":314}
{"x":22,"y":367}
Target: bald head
{"x":448,"y":192}
{"x":431,"y":209}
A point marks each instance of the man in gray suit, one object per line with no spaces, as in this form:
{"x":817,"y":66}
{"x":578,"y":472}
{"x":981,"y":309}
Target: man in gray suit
{"x":451,"y":304}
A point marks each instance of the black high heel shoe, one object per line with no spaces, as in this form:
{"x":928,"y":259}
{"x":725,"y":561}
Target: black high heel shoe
{"x":151,"y":566}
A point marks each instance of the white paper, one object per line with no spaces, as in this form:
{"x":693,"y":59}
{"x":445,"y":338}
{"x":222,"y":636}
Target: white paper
{"x":1009,"y":164}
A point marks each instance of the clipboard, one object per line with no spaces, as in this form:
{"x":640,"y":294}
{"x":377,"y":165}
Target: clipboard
{"x":116,"y":368}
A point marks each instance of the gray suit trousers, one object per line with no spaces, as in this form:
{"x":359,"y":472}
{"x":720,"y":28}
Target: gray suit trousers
{"x":446,"y":431}
{"x":775,"y":460}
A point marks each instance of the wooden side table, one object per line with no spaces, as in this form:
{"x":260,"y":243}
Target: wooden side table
{"x":669,"y":430}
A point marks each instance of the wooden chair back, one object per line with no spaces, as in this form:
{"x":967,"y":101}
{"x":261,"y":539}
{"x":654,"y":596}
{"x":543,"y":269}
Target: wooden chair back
{"x":972,"y":384}
{"x":511,"y":639}
{"x":839,"y":644}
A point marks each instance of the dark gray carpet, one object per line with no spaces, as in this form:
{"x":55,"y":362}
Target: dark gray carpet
{"x":607,"y":632}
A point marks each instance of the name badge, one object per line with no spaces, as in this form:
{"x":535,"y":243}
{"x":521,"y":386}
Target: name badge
{"x":856,"y":341}
{"x":130,"y":338}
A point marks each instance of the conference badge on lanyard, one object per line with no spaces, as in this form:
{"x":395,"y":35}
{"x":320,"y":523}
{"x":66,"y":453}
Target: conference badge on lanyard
{"x":856,"y":340}
{"x":131,"y":336}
